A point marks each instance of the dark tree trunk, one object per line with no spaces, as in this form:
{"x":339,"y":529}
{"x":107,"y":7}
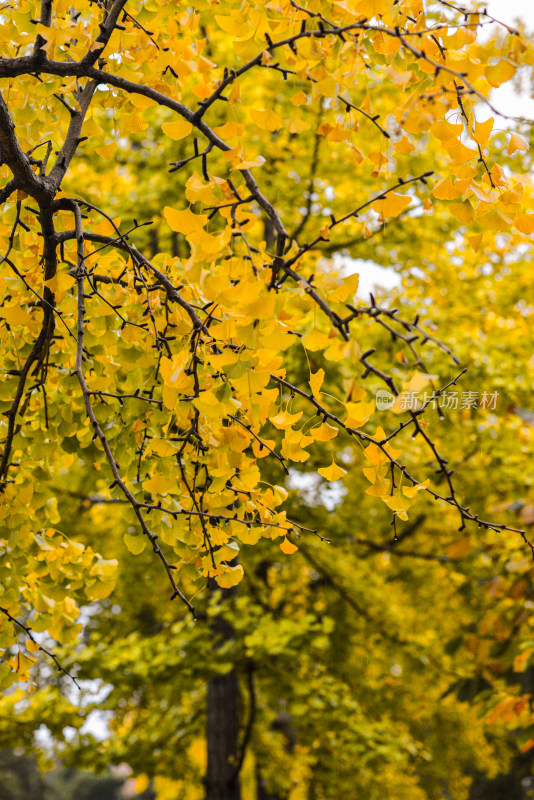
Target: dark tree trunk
{"x":222,"y":778}
{"x":222,"y":725}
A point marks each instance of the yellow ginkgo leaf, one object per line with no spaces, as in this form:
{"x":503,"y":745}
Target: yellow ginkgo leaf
{"x":324,"y":432}
{"x":446,"y":190}
{"x":445,"y":130}
{"x":333,"y":472}
{"x":159,"y":484}
{"x":293,"y":444}
{"x":392,"y":205}
{"x":379,"y":477}
{"x":162,"y":448}
{"x":418,"y":381}
{"x":316,"y":381}
{"x":483,"y":131}
{"x":476,"y":240}
{"x":60,"y":285}
{"x":299,"y":99}
{"x":184,"y":221}
{"x":238,"y":160}
{"x":315,"y":340}
{"x":230,"y":577}
{"x":411,"y":491}
{"x":178,"y":129}
{"x":285,"y":419}
{"x":230,"y":130}
{"x":462,"y":211}
{"x":358,"y":413}
{"x":525,"y":223}
{"x":263,"y":448}
{"x":459,"y":153}
{"x":208,"y":404}
{"x":288,"y":547}
{"x":22,"y":664}
{"x":499,"y":73}
{"x":267,"y":120}
{"x":516,"y":143}
{"x":15,"y":315}
{"x":399,"y":505}
{"x":135,"y":543}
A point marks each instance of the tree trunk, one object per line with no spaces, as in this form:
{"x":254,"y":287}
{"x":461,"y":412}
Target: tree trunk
{"x":222,"y":727}
{"x":222,"y":778}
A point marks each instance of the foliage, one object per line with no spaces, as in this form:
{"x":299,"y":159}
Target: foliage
{"x":177,"y":349}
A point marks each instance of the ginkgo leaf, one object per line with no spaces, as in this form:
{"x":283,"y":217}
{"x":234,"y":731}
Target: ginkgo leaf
{"x":412,"y":491}
{"x":483,"y":131}
{"x":525,"y":223}
{"x":208,"y":403}
{"x":358,"y":413}
{"x":446,"y":189}
{"x":16,"y":315}
{"x":293,"y":445}
{"x":418,"y":381}
{"x":99,"y":590}
{"x":392,"y":205}
{"x":184,"y":221}
{"x":178,"y":129}
{"x":288,"y":547}
{"x":346,"y":291}
{"x":299,"y":99}
{"x":285,"y":420}
{"x":476,"y":240}
{"x":22,"y":664}
{"x":380,"y":480}
{"x":459,"y":153}
{"x":230,"y":577}
{"x":516,"y":143}
{"x":334,"y":133}
{"x":163,"y":448}
{"x":445,"y":130}
{"x":374,"y":453}
{"x":399,"y":504}
{"x":267,"y":120}
{"x":495,"y":220}
{"x":60,"y":285}
{"x":159,"y":484}
{"x":239,"y":161}
{"x":316,"y":381}
{"x":462,"y":211}
{"x":262,"y":449}
{"x":135,"y":543}
{"x":333,"y":472}
{"x":324,"y":432}
{"x":499,"y":73}
{"x":315,"y":340}
{"x":230,"y":130}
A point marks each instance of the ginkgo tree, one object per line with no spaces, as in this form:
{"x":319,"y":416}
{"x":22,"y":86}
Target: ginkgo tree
{"x":175,"y":336}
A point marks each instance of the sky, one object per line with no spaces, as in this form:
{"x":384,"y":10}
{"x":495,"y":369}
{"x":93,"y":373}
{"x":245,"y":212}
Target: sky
{"x":509,"y":10}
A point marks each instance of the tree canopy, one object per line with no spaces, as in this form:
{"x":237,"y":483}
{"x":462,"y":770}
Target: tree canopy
{"x":199,"y":407}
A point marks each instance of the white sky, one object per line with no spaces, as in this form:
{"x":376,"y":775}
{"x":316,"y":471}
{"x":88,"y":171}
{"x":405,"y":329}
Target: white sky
{"x":509,"y":10}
